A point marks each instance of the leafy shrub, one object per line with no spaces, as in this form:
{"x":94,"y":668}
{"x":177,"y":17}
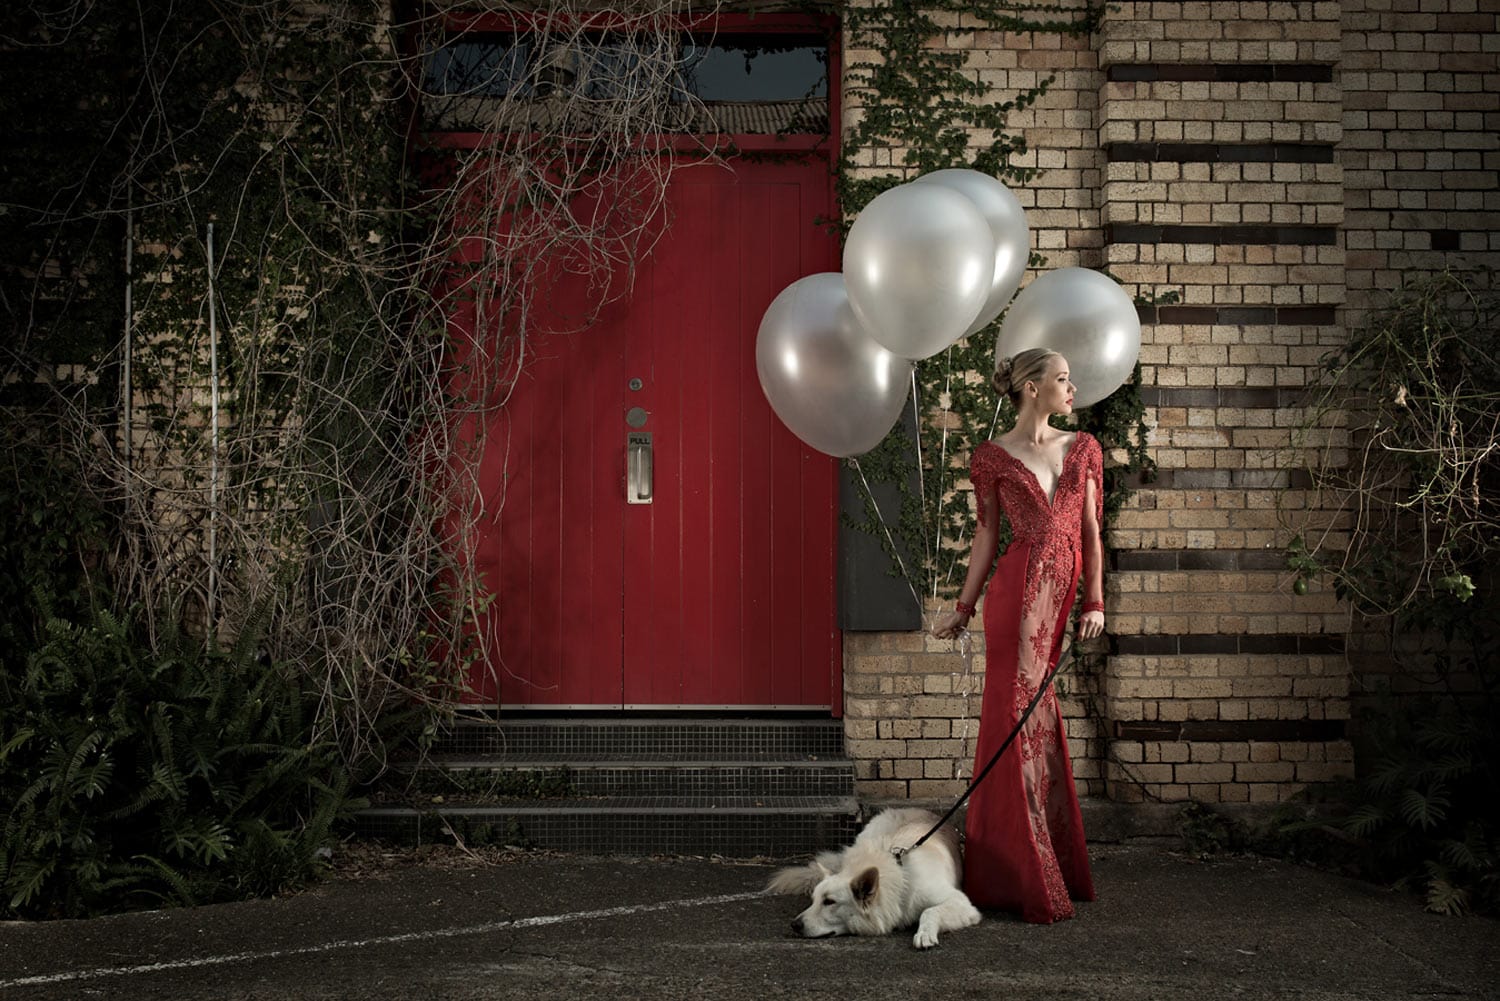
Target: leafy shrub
{"x":1426,"y":813}
{"x":186,"y":777}
{"x":1414,"y":393}
{"x":51,"y":535}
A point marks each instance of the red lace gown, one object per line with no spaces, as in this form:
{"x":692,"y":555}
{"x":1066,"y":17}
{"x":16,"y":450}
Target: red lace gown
{"x":1023,"y":847}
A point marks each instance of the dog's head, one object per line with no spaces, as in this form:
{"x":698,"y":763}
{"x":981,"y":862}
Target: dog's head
{"x":841,"y":905}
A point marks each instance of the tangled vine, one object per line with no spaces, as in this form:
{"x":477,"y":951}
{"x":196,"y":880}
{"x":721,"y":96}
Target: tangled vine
{"x":233,"y":296}
{"x":1403,"y":438}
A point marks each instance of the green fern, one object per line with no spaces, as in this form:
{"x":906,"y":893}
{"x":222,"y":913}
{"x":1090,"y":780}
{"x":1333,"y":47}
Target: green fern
{"x":1365,"y":820}
{"x":188,"y":777}
{"x":1443,"y":897}
{"x":1426,"y":813}
{"x":1418,"y":810}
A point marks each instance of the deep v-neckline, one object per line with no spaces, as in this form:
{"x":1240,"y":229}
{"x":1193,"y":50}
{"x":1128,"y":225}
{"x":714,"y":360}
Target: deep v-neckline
{"x":1061,"y":471}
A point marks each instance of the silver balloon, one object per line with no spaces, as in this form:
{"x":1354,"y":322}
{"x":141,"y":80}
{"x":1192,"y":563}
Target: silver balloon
{"x":1087,"y":318}
{"x":832,"y":385}
{"x":918,"y":265}
{"x":1007,"y":221}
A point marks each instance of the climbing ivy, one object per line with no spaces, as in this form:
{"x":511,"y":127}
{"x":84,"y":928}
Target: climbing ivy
{"x":922,"y":107}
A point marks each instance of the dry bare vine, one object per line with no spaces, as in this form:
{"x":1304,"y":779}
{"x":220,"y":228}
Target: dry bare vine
{"x":294,"y":441}
{"x":1404,"y":440}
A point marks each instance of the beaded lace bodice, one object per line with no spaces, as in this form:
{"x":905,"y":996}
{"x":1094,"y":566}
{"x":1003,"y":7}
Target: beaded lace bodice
{"x":1053,"y":531}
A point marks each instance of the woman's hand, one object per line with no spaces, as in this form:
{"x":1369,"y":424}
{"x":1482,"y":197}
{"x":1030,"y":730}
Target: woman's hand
{"x":1090,"y":625}
{"x":950,"y":625}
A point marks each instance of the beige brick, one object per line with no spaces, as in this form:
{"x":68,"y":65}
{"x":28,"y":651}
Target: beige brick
{"x":907,"y":768}
{"x":1169,"y":793}
{"x":935,"y":789}
{"x":1194,"y":773}
{"x":899,"y":729}
{"x":1271,"y":771}
{"x":876,"y":748}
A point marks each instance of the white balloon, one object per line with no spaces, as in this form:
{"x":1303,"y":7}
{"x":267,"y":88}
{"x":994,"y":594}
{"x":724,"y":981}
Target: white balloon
{"x":918,"y":265}
{"x":1007,"y":221}
{"x":1087,"y":318}
{"x":827,"y":380}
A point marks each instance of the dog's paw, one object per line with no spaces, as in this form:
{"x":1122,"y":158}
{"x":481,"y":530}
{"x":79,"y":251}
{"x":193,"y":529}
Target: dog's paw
{"x":925,"y":938}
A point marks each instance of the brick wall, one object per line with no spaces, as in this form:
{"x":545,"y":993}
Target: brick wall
{"x":1219,"y":124}
{"x":1276,"y":165}
{"x":1421,"y":158}
{"x":1421,"y":144}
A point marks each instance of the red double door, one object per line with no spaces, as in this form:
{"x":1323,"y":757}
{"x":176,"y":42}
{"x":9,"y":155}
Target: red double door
{"x":654,"y":536}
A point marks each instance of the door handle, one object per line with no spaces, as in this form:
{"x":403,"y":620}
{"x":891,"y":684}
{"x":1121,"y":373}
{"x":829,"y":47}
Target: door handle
{"x":638,"y":463}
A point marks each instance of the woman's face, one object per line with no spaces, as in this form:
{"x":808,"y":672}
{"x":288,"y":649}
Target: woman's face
{"x":1054,"y":390}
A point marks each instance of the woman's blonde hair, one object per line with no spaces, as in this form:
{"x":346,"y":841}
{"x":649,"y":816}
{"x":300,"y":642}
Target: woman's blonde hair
{"x":1013,"y":373}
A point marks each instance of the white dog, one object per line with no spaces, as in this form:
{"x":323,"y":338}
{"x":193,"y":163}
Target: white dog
{"x":865,"y":890}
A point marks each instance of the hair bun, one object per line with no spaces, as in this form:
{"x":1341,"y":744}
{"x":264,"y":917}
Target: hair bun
{"x":1003,"y":368}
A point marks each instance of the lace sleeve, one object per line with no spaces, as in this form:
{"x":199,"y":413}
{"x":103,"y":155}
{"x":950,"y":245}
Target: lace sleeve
{"x":1092,"y":529}
{"x":983,"y":474}
{"x":1096,"y":473}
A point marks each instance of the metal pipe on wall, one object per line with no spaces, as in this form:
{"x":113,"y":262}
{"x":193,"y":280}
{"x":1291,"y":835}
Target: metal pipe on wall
{"x":127,"y":393}
{"x":213,"y":459}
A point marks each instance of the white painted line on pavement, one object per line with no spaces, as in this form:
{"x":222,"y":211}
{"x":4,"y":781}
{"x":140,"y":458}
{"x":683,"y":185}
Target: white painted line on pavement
{"x":415,"y":936}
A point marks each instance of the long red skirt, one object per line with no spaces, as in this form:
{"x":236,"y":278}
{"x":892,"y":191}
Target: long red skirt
{"x":1024,"y":847}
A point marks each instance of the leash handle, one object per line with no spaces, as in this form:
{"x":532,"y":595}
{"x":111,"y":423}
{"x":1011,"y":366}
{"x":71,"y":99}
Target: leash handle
{"x":994,"y":758}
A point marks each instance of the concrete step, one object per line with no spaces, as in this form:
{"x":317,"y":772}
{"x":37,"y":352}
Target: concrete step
{"x":691,"y":785}
{"x":743,"y":827}
{"x":639,"y":738}
{"x":479,"y":779}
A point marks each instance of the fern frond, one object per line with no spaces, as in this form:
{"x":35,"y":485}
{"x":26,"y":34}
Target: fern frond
{"x":1365,"y":820}
{"x":177,"y":882}
{"x":1387,"y":775}
{"x":1460,"y":855}
{"x":1443,"y":897}
{"x":1419,"y":810}
{"x":28,"y":879}
{"x":17,"y":741}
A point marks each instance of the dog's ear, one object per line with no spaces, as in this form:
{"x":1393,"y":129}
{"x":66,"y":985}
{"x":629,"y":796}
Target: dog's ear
{"x":798,"y":880}
{"x":865,"y":885}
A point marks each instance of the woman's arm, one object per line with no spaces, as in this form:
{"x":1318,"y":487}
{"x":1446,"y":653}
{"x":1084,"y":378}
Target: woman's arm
{"x":981,"y":561}
{"x":1091,"y":616}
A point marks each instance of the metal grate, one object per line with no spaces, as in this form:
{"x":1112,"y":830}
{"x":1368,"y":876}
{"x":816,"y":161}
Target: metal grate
{"x":672,"y":740}
{"x":779,"y":832}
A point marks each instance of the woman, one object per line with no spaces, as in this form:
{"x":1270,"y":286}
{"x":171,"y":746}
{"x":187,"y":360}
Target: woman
{"x":1024,"y":849}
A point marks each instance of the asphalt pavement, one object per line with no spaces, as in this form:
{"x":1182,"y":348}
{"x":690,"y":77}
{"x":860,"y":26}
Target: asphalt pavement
{"x":449,"y":925}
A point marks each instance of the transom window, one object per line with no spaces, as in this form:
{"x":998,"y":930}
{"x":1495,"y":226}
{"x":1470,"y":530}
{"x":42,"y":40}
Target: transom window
{"x":740,"y":83}
{"x":756,"y":68}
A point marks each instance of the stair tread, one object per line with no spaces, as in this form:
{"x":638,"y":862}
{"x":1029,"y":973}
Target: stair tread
{"x":644,"y":739}
{"x":631,"y":761}
{"x":615,"y":722}
{"x":634,"y":804}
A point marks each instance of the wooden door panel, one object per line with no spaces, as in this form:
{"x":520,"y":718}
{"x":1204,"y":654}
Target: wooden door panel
{"x":719,"y":592}
{"x":554,"y":487}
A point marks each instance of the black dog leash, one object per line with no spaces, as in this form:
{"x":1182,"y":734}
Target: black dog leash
{"x":994,"y":758}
